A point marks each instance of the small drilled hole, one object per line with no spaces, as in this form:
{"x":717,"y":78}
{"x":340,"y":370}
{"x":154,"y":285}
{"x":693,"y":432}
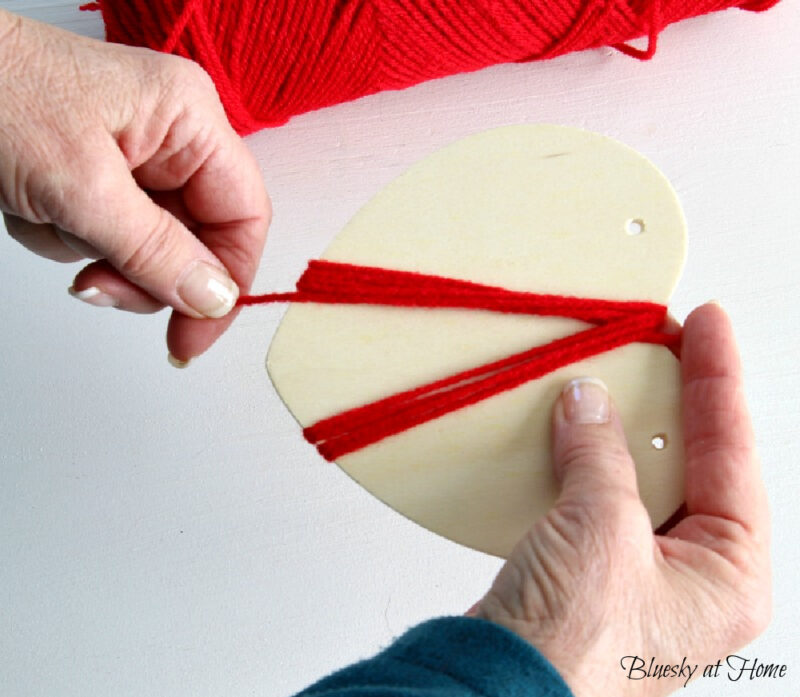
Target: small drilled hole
{"x":635,"y":226}
{"x":659,"y":441}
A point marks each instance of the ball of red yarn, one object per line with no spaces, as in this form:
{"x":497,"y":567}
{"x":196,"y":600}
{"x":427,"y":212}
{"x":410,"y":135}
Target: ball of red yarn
{"x":272,"y":59}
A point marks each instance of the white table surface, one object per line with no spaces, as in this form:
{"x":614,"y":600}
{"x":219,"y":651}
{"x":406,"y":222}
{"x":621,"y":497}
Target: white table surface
{"x":169,"y":532}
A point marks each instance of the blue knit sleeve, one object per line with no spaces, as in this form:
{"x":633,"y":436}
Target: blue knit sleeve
{"x":448,"y":657}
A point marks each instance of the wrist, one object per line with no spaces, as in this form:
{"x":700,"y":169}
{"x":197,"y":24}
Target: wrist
{"x":568,"y":665}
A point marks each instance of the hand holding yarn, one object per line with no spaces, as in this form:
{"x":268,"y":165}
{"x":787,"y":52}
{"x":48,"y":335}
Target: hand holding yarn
{"x":590,"y":582}
{"x":125,"y":155}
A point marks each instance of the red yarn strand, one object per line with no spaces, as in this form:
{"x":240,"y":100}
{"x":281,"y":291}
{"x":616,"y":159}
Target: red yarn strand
{"x":178,"y":27}
{"x":616,"y":323}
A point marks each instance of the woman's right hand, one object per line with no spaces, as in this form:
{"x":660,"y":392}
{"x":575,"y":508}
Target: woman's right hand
{"x":125,"y":155}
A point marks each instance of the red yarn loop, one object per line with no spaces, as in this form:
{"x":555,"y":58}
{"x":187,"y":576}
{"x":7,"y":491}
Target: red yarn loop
{"x":272,"y":59}
{"x":652,"y":36}
{"x":616,"y":323}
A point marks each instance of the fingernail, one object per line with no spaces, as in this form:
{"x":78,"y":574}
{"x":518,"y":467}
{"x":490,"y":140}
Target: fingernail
{"x":93,"y":296}
{"x":586,"y":401}
{"x":714,"y":301}
{"x":208,"y":290}
{"x":177,"y":362}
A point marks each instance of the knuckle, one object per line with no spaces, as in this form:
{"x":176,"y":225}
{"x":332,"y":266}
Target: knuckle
{"x":184,"y":76}
{"x":239,"y":256}
{"x":735,"y":542}
{"x":148,"y":254}
{"x":193,"y":73}
{"x":600,"y":453}
{"x":624,"y":522}
{"x":236,"y":257}
{"x":622,"y":510}
{"x":739,"y":542}
{"x":187,"y":96}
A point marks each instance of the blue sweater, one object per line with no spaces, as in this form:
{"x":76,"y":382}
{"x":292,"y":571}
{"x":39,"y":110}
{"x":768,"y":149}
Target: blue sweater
{"x":448,"y":657}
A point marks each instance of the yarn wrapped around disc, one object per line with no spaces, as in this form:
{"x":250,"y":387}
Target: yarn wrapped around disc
{"x":272,"y":59}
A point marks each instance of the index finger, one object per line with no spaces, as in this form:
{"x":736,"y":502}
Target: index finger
{"x":227,"y":199}
{"x":722,"y":471}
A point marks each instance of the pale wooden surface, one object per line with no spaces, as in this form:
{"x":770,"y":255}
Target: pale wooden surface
{"x":482,"y":476}
{"x":166,"y":532}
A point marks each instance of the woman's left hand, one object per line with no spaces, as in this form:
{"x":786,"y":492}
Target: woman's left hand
{"x":591,"y":586}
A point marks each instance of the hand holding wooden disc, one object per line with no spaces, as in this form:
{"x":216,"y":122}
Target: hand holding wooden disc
{"x":544,"y":209}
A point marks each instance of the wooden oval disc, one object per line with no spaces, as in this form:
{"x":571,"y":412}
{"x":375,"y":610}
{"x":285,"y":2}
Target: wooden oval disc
{"x":546,"y":209}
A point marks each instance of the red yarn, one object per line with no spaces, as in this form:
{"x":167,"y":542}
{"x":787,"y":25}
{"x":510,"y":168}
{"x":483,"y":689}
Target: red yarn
{"x":272,"y":59}
{"x":616,"y":323}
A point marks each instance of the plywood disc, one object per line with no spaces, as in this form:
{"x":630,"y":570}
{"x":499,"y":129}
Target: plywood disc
{"x":545,"y":209}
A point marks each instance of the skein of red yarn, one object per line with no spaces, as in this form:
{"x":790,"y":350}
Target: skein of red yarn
{"x":272,"y":59}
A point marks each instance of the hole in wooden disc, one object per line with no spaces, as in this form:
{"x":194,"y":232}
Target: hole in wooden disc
{"x":635,"y":226}
{"x":659,"y":441}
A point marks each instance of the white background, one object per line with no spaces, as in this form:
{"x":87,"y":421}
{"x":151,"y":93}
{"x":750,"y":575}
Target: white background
{"x":169,"y":532}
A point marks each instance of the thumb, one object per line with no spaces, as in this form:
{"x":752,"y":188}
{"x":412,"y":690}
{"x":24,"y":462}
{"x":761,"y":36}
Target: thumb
{"x":152,"y":249}
{"x":590,"y":454}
